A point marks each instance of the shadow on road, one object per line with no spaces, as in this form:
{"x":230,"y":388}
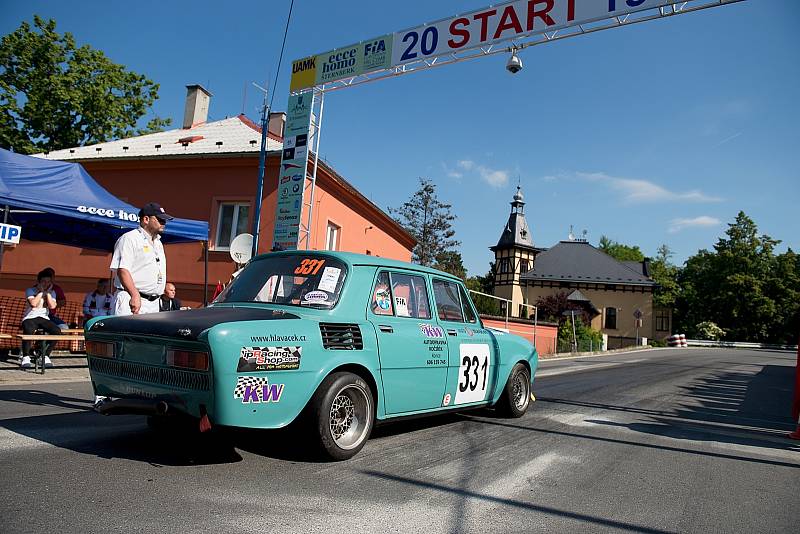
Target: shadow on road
{"x":125,"y":437}
{"x":37,"y":397}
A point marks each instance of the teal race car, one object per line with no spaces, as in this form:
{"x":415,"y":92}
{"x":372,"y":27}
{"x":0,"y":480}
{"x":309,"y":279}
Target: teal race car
{"x":333,"y":340}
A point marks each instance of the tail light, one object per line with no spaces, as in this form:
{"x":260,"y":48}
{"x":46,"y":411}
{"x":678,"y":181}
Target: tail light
{"x":100,"y":349}
{"x":188,"y":359}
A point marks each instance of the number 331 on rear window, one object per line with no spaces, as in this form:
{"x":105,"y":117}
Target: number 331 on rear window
{"x":473,"y":373}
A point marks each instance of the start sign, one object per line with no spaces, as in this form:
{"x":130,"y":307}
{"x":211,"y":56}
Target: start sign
{"x":497,"y":23}
{"x":10,"y":233}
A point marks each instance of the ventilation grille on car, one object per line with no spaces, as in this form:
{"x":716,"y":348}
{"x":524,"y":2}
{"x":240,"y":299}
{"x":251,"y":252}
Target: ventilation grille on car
{"x":341,"y":336}
{"x":176,"y":378}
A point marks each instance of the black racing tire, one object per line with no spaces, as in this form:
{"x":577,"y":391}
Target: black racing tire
{"x":341,"y":416}
{"x":516,"y":396}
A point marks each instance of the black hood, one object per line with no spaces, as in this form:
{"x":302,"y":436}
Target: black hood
{"x":184,"y":324}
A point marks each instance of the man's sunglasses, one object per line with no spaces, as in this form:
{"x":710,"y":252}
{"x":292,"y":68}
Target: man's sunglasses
{"x":162,"y":221}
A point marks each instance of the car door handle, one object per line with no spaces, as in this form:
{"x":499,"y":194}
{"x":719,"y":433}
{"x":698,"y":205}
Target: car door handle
{"x":386,"y":328}
{"x":452,"y":332}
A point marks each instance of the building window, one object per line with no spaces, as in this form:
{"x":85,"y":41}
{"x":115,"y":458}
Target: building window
{"x":662,"y":320}
{"x":505,"y":265}
{"x":523,"y":266}
{"x":332,"y":239}
{"x":231,"y":222}
{"x":611,"y":318}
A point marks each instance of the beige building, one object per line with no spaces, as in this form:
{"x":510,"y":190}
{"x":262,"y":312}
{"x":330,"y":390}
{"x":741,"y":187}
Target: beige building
{"x":618,"y":296}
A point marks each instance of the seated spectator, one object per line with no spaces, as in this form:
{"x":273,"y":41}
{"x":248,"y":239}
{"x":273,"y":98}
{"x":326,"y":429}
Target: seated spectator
{"x":168,"y":302}
{"x":61,"y":298}
{"x":98,"y":302}
{"x":41,"y":299}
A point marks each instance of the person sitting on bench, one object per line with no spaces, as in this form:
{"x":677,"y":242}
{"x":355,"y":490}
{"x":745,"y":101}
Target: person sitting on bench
{"x":41,"y":299}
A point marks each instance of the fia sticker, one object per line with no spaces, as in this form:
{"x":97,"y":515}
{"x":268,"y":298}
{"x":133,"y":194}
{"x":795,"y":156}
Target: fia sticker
{"x":402,"y":306}
{"x":446,"y":401}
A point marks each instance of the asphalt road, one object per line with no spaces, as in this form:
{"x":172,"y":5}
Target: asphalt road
{"x":653,"y":441}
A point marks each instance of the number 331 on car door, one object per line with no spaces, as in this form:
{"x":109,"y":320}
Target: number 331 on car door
{"x":473,"y":373}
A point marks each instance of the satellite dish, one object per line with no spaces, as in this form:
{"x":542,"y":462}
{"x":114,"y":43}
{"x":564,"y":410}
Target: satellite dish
{"x":242,"y":248}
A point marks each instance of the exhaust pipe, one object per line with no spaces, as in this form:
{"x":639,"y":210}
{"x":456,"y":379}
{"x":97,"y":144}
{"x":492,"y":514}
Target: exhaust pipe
{"x":132,"y":407}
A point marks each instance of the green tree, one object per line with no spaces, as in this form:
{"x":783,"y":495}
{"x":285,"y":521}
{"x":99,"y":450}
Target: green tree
{"x":484,"y":284}
{"x":619,"y":251}
{"x":665,"y":275}
{"x":429,"y":220}
{"x":742,"y":287}
{"x":451,"y":262}
{"x":55,"y":95}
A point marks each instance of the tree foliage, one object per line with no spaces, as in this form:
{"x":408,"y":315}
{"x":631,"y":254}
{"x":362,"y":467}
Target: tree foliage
{"x":743,"y":287}
{"x":55,"y":95}
{"x":429,"y":220}
{"x":619,"y":251}
{"x":665,"y":274}
{"x":451,"y":262}
{"x":484,"y":284}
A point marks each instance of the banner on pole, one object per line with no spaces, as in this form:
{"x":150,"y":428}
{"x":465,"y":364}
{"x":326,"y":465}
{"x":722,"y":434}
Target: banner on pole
{"x":292,"y":172}
{"x":517,"y":19}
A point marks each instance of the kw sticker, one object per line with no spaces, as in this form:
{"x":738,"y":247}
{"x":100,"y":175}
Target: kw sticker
{"x":257,"y":390}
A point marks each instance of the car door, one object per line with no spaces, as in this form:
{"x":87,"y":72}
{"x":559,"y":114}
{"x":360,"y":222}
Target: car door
{"x":411,"y":347}
{"x":472,"y":356}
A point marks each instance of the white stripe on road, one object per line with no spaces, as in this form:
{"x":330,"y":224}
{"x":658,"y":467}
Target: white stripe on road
{"x":588,"y":367}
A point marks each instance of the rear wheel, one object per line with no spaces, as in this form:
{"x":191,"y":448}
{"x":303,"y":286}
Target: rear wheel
{"x":516,"y":396}
{"x":342,"y":415}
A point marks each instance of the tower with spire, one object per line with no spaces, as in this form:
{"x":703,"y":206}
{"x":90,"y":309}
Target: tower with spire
{"x":514,"y":255}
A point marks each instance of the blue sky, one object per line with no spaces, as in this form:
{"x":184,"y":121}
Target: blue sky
{"x":656,"y":133}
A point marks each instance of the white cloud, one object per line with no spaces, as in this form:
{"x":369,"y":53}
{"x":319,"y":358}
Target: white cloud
{"x":494,"y":177}
{"x":635,"y":190}
{"x":676,"y":225}
{"x":466,"y":164}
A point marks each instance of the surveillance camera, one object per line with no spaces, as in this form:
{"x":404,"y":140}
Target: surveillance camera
{"x":514,"y":64}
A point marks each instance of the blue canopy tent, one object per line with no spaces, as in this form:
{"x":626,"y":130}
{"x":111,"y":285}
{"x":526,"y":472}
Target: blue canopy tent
{"x":59,"y":202}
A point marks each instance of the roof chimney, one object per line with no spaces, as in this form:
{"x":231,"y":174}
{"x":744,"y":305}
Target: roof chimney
{"x":197,"y":101}
{"x":277,"y":122}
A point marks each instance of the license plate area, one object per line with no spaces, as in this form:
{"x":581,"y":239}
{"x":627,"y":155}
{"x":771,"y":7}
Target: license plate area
{"x":144,"y":353}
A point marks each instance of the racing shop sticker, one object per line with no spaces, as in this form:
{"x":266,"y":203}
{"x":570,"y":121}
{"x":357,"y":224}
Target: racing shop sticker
{"x":257,"y":390}
{"x":315,"y":296}
{"x":446,"y":401}
{"x":269,"y":359}
{"x":429,"y":330}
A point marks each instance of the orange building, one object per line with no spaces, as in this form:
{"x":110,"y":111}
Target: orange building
{"x":207,"y":171}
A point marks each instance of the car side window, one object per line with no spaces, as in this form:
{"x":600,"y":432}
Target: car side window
{"x":469,"y":314}
{"x":448,"y":305}
{"x":381,"y":302}
{"x":410,"y":296}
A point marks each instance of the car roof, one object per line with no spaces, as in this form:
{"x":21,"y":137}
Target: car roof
{"x":354,"y":260}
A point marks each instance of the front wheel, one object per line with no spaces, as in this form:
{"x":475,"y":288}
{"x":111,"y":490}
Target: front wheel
{"x":516,"y":396}
{"x":342,"y":415}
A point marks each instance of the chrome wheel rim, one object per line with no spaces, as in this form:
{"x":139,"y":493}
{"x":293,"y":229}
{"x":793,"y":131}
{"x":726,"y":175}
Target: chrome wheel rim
{"x":522,"y":391}
{"x":350,"y":415}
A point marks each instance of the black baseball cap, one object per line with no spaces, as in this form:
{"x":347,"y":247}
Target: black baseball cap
{"x":152,"y":209}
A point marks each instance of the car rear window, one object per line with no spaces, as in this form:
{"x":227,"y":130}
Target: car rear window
{"x":305,"y":280}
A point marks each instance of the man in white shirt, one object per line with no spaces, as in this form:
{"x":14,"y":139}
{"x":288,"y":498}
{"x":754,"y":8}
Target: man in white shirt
{"x":40,"y":300}
{"x":98,"y":302}
{"x":140,"y":265}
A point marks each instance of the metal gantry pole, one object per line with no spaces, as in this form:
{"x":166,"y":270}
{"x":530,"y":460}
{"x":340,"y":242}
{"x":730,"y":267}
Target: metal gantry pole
{"x":318,"y":137}
{"x":261,"y":167}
